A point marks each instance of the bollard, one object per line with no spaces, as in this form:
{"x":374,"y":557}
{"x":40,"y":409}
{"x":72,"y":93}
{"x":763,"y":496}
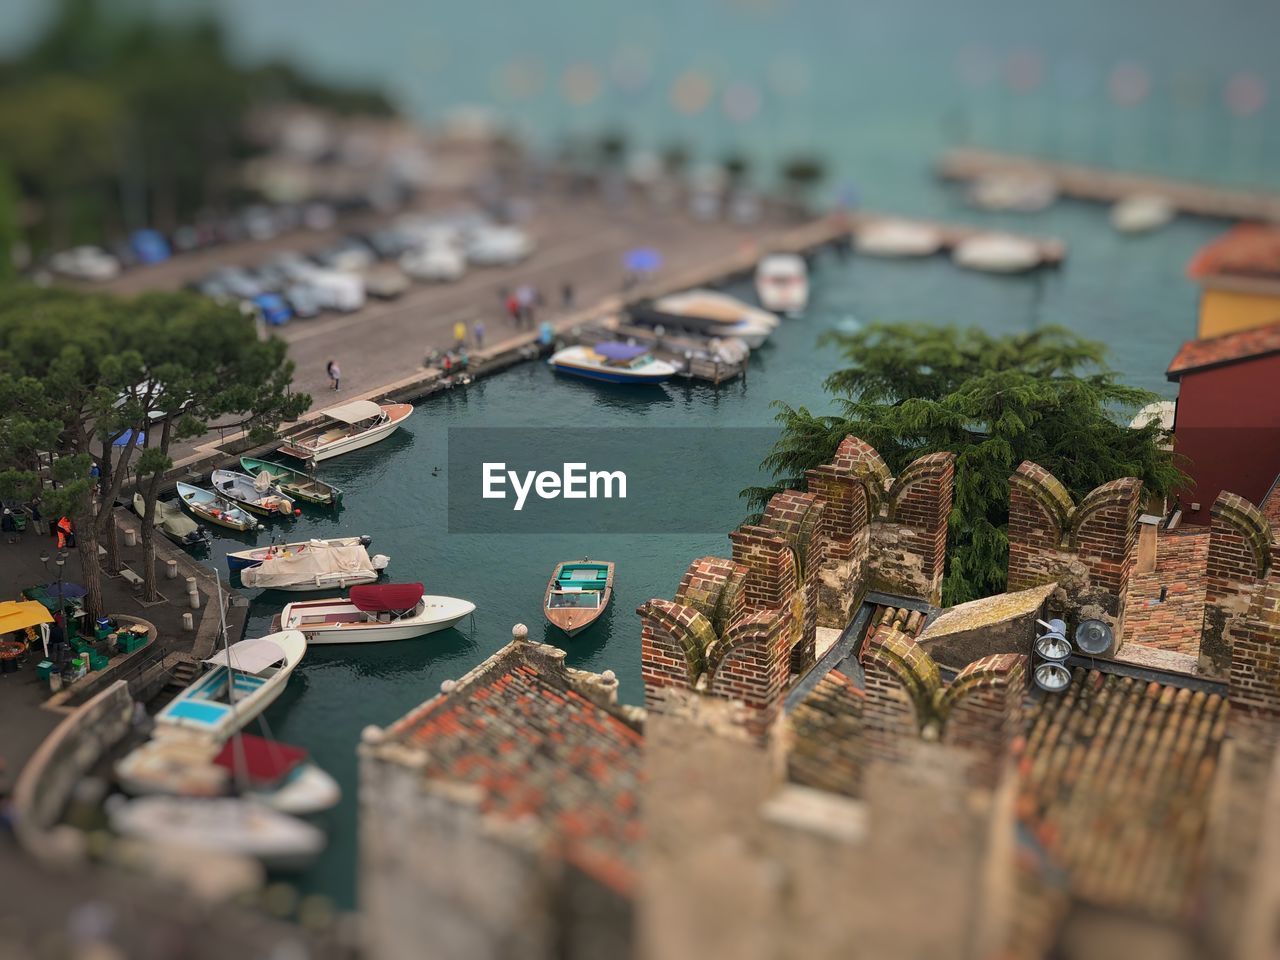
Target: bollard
{"x":188,"y":621}
{"x":171,"y":569}
{"x":191,"y":585}
{"x":194,"y":597}
{"x":130,"y":537}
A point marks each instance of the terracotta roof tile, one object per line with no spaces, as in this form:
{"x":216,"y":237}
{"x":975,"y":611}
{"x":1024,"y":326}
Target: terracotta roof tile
{"x":1174,"y":623}
{"x":1231,"y":348}
{"x":1248,"y":250}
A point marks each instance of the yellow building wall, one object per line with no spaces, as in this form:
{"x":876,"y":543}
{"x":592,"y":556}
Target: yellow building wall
{"x":1228,"y":311}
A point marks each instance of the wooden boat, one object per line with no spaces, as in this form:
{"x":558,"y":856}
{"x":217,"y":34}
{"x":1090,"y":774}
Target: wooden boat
{"x":263,"y":498}
{"x":238,"y":825}
{"x":294,"y":483}
{"x":782,"y":283}
{"x":215,"y":508}
{"x":373,"y":614}
{"x":577,"y":594}
{"x":172,"y":522}
{"x":319,"y":568}
{"x":226,"y":698}
{"x":345,"y":428}
{"x":708,"y":313}
{"x":239,"y":559}
{"x":612,"y":362}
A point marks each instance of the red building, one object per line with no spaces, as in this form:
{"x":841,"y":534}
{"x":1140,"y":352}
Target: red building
{"x":1228,"y":417}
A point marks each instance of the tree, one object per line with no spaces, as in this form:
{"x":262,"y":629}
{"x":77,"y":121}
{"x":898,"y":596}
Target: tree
{"x":802,"y":173}
{"x":994,"y":401}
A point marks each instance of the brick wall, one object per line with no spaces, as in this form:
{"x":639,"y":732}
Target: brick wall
{"x":1253,"y":683}
{"x":801,"y":519}
{"x":1239,"y":557}
{"x":1104,"y":532}
{"x":898,"y":699}
{"x":983,"y":710}
{"x":1039,"y":512}
{"x":673,"y":643}
{"x":754,"y":667}
{"x":909,"y":544}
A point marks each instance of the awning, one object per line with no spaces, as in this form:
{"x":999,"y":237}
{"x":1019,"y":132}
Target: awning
{"x":17,"y":615}
{"x":355,"y":411}
{"x":375,"y":597}
{"x":265,"y":762}
{"x":250,"y":656}
{"x":612,"y":350}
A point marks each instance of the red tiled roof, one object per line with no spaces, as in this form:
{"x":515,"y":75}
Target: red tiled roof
{"x":1231,"y":348}
{"x":910,"y":622}
{"x":1248,"y":250}
{"x":538,"y":747}
{"x":1174,"y":623}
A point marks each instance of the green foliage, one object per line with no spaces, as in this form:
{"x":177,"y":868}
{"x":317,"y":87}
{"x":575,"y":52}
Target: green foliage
{"x":1045,"y":396}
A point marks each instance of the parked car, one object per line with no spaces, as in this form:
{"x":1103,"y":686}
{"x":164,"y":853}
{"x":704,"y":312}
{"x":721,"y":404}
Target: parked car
{"x":498,"y":246}
{"x":350,"y":253}
{"x":258,"y":223}
{"x":336,"y":289}
{"x":385,"y":281}
{"x":319,"y":216}
{"x":434,"y":263}
{"x":273,"y":308}
{"x":238,"y":281}
{"x":387,"y":242}
{"x":85,"y":263}
{"x":303,"y":300}
{"x":150,"y":246}
{"x":291,"y":263}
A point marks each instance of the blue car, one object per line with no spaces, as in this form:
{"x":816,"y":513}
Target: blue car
{"x":150,"y":246}
{"x":273,"y":308}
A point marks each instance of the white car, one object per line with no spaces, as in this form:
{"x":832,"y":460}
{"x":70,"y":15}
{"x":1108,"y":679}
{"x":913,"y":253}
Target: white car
{"x":85,"y":263}
{"x":498,"y":246}
{"x":434,"y":263}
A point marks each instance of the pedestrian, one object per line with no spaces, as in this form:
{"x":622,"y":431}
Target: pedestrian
{"x":566,"y":295}
{"x":478,"y":332}
{"x":525,"y":295}
{"x":335,"y":374}
{"x":513,"y":309}
{"x":459,"y":333}
{"x":447,"y":364}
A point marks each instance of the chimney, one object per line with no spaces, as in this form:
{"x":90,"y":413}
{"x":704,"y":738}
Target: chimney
{"x":1148,"y":538}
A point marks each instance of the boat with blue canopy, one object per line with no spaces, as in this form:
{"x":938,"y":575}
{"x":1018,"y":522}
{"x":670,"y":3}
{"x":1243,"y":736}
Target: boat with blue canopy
{"x":612,"y":362}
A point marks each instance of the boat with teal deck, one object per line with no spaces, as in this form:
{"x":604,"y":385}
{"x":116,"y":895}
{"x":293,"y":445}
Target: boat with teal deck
{"x":577,"y":594}
{"x":294,"y":483}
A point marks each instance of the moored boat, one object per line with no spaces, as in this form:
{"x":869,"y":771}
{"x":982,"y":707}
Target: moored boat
{"x":612,"y":362}
{"x":239,"y":559}
{"x":782,"y":283}
{"x":373,"y":614}
{"x":319,"y":568}
{"x":172,"y":522}
{"x":244,"y":679}
{"x":294,"y":483}
{"x":577,"y":594}
{"x":708,"y":313}
{"x":997,"y":253}
{"x":215,"y":508}
{"x":348,"y":427}
{"x":257,"y":495}
{"x":897,"y":238}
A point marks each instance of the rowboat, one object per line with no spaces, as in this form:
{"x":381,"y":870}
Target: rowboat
{"x":374,"y":613}
{"x":172,"y":522}
{"x":782,"y":283}
{"x":215,"y":508}
{"x":244,"y":679}
{"x":239,"y":559}
{"x":318,"y":568}
{"x":345,"y":428}
{"x":257,"y":495}
{"x":612,"y":363}
{"x":709,"y":313}
{"x":577,"y":594}
{"x":236,"y":825}
{"x":294,"y":483}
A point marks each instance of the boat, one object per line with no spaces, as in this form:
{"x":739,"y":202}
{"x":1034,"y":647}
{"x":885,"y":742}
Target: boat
{"x":1020,"y":191}
{"x":244,"y":679}
{"x":257,"y":495}
{"x":172,"y":522}
{"x":374,"y":613}
{"x":997,"y":253}
{"x":782,"y":283}
{"x":1142,"y":213}
{"x":237,"y":825}
{"x":279,"y":775}
{"x":345,"y":428}
{"x":897,"y":238}
{"x":577,"y":594}
{"x":317,"y":568}
{"x":294,"y":483}
{"x":239,"y":559}
{"x":612,"y":362}
{"x":215,"y":508}
{"x":709,"y":314}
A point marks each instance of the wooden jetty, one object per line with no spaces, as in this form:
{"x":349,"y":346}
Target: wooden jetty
{"x":1109,"y":186}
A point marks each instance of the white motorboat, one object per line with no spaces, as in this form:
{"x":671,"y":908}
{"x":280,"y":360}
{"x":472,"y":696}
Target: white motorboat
{"x":1141,"y":213}
{"x":317,"y":568}
{"x":239,"y":559}
{"x":997,"y":253}
{"x":348,"y":427}
{"x":709,"y":314}
{"x":375,"y":613}
{"x":897,"y":238}
{"x":245,"y":678}
{"x":612,"y":363}
{"x":782,"y":283}
{"x":1022,"y":192}
{"x":236,"y":825}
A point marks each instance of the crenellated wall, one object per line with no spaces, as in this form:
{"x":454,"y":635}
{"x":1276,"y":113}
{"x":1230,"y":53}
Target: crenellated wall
{"x":1240,"y":545}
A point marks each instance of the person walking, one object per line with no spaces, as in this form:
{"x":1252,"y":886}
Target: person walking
{"x":513,"y":309}
{"x":459,"y":334}
{"x":335,"y":374}
{"x":478,"y":332}
{"x":566,"y":295}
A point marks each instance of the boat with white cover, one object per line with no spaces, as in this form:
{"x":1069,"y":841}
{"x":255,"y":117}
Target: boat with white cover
{"x":239,"y":559}
{"x":375,"y":613}
{"x":782,"y":283}
{"x":319,"y":568}
{"x":708,"y":313}
{"x":238,"y":825}
{"x":612,"y":362}
{"x":172,"y":522}
{"x":245,"y":678}
{"x":897,"y":238}
{"x":997,"y":253}
{"x":348,"y":427}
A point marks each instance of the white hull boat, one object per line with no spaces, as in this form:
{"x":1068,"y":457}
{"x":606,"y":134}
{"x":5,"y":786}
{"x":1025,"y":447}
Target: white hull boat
{"x":375,"y":614}
{"x":997,"y":253}
{"x":328,"y":568}
{"x":709,"y":314}
{"x":782,"y":283}
{"x":1141,"y":213}
{"x":612,"y":363}
{"x":226,"y":698}
{"x":351,"y":426}
{"x":897,"y":238}
{"x":239,"y":559}
{"x":236,"y":825}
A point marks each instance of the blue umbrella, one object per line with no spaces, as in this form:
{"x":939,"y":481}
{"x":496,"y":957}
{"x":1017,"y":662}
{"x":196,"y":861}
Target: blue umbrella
{"x":642,"y":260}
{"x":70,"y":591}
{"x":125,"y":438}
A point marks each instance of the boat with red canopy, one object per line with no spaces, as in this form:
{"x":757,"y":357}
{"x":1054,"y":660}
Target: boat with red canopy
{"x":375,"y":613}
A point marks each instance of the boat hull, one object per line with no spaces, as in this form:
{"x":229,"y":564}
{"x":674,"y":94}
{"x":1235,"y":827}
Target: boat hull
{"x":336,"y":448}
{"x":295,"y":483}
{"x":200,"y":503}
{"x":240,"y":559}
{"x":607,"y":376}
{"x":572,"y":621}
{"x":439,"y":613}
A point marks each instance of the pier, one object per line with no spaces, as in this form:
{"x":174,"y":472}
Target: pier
{"x":1110,"y":186}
